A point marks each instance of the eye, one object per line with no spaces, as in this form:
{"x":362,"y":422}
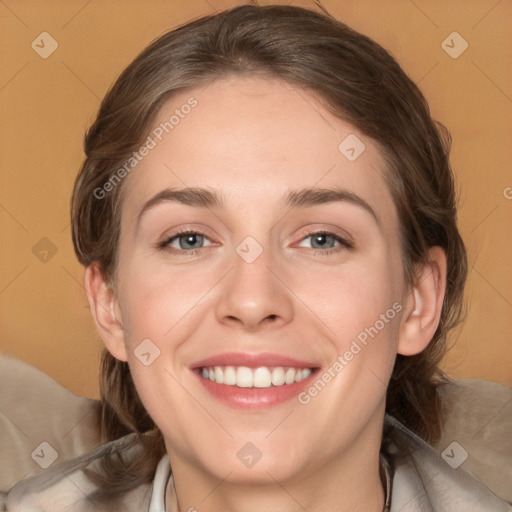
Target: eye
{"x":324,"y":241}
{"x":188,"y":241}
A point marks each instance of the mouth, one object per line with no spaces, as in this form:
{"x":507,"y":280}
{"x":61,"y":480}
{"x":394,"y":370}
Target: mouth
{"x":254,"y":381}
{"x":261,"y":377}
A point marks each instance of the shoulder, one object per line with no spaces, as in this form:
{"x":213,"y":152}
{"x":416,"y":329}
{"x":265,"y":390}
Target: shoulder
{"x":66,"y":487}
{"x":38,"y":412}
{"x":469,"y":468}
{"x":478,"y":422}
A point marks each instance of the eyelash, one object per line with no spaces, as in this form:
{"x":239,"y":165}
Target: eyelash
{"x":324,"y":252}
{"x":165,"y":244}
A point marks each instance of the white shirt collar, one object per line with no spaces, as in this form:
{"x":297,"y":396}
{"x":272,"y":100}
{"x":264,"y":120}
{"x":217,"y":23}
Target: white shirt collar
{"x":162,"y":477}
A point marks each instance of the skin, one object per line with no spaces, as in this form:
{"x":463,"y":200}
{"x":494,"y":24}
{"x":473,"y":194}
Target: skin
{"x":253,"y":141}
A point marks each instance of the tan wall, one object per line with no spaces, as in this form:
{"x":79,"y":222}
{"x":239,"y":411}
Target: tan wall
{"x":47,"y":103}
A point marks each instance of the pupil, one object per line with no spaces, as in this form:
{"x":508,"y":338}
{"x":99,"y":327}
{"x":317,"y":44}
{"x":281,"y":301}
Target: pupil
{"x":320,"y":239}
{"x":189,"y":240}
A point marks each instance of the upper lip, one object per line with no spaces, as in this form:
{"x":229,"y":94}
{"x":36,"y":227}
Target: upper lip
{"x":252,"y":360}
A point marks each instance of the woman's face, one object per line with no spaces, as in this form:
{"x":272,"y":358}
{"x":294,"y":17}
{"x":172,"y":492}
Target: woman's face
{"x":289,"y":269}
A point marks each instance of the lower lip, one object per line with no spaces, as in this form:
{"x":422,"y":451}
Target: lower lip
{"x":254,"y":398}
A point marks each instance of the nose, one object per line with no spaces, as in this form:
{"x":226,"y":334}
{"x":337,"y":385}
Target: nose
{"x":254,"y":296}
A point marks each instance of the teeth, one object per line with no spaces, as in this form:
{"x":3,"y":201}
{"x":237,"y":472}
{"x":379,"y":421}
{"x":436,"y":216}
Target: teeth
{"x":244,"y":378}
{"x":306,"y":372}
{"x":229,"y":376}
{"x":261,"y":377}
{"x":278,"y":377}
{"x":219,"y":375}
{"x":302,"y":374}
{"x":290,"y":376}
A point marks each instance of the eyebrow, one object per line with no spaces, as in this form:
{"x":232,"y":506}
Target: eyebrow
{"x":190,"y":196}
{"x":307,"y":197}
{"x":203,"y":198}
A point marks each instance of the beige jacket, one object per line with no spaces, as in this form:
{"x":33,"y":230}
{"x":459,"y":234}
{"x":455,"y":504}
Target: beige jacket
{"x":470,"y":470}
{"x":423,"y":481}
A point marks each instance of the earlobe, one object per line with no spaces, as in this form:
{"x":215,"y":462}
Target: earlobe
{"x":424,"y":305}
{"x":105,"y":311}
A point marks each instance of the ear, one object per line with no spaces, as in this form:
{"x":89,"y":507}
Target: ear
{"x":424,"y":305}
{"x":105,"y":311}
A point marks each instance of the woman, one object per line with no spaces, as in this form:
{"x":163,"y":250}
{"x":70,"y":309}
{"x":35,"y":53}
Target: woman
{"x":266,"y":216}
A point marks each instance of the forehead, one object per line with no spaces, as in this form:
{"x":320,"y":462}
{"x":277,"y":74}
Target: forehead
{"x":254,"y":139}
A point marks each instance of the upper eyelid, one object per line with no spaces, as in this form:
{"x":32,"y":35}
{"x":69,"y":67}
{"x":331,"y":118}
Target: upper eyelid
{"x":336,"y":236}
{"x":186,"y":231}
{"x":170,"y":238}
{"x":345,"y":236}
{"x":340,"y":239}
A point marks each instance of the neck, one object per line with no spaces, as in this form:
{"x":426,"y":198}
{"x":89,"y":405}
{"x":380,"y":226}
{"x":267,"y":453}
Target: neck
{"x":347,"y":482}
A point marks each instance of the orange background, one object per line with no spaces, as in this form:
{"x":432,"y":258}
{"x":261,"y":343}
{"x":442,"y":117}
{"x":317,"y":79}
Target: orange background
{"x":46,"y":104}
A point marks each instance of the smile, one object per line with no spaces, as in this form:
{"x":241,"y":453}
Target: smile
{"x":253,"y":381}
{"x":261,"y":377}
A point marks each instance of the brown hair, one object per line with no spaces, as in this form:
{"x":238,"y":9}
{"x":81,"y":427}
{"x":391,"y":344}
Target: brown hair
{"x":358,"y":81}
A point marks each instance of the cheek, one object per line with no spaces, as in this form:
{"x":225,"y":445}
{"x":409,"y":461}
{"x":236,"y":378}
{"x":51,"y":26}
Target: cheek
{"x":352,"y":298}
{"x":155,"y":299}
{"x":360,"y":309}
